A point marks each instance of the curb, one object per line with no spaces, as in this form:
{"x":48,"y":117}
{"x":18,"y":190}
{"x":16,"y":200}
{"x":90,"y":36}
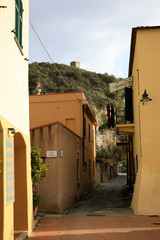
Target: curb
{"x":22,"y":236}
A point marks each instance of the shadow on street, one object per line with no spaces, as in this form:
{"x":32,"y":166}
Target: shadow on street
{"x":111,"y":199}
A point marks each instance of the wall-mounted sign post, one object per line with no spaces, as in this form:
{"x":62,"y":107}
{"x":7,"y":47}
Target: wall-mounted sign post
{"x":9,"y":169}
{"x":116,"y":86}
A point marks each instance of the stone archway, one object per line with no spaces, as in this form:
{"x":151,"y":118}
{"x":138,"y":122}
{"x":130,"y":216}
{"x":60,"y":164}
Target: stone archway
{"x":20,"y":205}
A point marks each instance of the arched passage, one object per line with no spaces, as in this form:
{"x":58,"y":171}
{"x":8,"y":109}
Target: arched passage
{"x":20,"y":205}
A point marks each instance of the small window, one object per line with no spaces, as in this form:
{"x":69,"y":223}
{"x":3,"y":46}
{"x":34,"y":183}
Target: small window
{"x":93,"y":135}
{"x":84,"y":127}
{"x":89,"y":167}
{"x":18,"y":21}
{"x":89,"y":132}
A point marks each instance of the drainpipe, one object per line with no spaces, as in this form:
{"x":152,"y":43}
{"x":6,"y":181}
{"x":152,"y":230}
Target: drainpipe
{"x":83,"y":134}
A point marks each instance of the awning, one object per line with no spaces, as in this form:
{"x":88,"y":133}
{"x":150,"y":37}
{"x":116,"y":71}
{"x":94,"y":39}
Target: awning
{"x":125,"y":129}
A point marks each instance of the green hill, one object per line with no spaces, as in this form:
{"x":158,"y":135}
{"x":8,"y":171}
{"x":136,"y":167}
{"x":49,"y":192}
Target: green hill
{"x":56,"y":78}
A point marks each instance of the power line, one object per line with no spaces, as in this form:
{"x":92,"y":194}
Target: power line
{"x":50,"y":57}
{"x":47,"y":52}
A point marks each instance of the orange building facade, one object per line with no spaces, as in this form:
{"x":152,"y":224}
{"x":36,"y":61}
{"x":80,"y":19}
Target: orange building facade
{"x":73,"y":112}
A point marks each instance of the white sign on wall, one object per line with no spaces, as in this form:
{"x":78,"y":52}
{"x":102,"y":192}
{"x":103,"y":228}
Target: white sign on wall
{"x":52,"y":154}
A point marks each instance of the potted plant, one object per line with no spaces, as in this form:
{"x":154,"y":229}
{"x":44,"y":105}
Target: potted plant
{"x":38,"y":172}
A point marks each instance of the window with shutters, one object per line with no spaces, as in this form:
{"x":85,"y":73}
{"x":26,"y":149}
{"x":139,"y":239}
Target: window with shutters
{"x":18,"y":21}
{"x":129,"y":104}
{"x":93,"y":135}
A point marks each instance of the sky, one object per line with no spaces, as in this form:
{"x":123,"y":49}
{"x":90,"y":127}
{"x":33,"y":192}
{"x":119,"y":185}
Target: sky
{"x":97,"y":33}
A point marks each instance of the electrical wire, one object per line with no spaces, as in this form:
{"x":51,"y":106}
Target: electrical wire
{"x":50,"y":57}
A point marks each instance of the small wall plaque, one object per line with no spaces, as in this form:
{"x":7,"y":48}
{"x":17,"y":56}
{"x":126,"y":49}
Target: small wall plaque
{"x":52,"y":154}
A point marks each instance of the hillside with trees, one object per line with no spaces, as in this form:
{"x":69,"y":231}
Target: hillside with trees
{"x":59,"y":78}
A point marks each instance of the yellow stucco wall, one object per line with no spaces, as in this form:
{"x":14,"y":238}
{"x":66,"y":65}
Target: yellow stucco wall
{"x":14,"y":112}
{"x":66,"y":108}
{"x":14,"y":69}
{"x":22,"y":185}
{"x":146,"y":118}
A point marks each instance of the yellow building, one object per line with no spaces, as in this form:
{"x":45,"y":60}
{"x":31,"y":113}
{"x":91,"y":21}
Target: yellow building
{"x":16,"y":212}
{"x":144,"y":130}
{"x":73,"y":111}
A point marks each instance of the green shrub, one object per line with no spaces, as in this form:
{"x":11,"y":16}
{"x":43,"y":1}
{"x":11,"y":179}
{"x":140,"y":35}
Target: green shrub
{"x":38,"y":172}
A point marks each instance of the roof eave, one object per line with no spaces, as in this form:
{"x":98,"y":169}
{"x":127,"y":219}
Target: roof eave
{"x":133,"y":43}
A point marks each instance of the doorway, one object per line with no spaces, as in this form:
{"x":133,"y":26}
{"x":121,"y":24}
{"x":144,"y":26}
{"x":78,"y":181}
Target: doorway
{"x":20,"y":205}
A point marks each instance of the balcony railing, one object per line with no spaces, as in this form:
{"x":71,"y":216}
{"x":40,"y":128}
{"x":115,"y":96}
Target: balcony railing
{"x":120,"y":117}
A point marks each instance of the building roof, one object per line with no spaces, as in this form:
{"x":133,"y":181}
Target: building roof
{"x":58,"y":96}
{"x":133,"y":43}
{"x":55,"y":93}
{"x":90,"y":114}
{"x":51,"y":124}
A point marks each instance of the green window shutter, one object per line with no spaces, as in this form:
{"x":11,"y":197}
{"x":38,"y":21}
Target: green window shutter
{"x":19,"y":21}
{"x":129,"y":104}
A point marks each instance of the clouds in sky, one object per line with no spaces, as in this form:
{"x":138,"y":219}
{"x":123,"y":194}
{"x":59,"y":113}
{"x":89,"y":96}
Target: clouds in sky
{"x":95,"y":32}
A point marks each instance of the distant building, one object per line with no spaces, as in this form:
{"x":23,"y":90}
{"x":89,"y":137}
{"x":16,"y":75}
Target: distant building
{"x":71,"y":110}
{"x":16,"y":205}
{"x":75,"y":64}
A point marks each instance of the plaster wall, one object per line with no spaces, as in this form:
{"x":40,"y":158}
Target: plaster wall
{"x":70,"y":189}
{"x":14,"y":69}
{"x":18,"y":214}
{"x":69,"y":109}
{"x":66,"y":108}
{"x":146,"y":74}
{"x":59,"y":188}
{"x":90,"y":153}
{"x":14,"y":113}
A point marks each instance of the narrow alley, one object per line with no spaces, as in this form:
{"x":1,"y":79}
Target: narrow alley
{"x":110,"y":199}
{"x":104,"y":214}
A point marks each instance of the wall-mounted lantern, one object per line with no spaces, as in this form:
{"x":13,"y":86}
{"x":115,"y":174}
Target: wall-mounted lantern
{"x":145,"y":97}
{"x":12,"y":131}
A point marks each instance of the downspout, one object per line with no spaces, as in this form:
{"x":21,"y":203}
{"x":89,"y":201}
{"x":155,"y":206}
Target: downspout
{"x":83,"y":134}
